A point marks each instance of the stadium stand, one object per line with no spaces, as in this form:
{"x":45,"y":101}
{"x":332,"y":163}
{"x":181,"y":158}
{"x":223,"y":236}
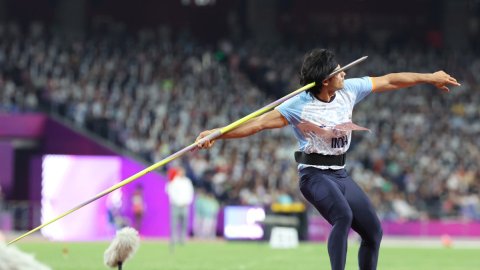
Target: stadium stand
{"x":151,"y":94}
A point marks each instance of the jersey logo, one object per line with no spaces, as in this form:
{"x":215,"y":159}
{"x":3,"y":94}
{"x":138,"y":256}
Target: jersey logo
{"x":321,"y":136}
{"x":339,"y":142}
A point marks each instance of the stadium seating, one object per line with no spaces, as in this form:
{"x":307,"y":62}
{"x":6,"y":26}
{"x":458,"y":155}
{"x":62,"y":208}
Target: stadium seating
{"x":151,"y":95}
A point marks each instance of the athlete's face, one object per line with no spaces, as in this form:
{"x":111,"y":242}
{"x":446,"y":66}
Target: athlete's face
{"x":338,"y":79}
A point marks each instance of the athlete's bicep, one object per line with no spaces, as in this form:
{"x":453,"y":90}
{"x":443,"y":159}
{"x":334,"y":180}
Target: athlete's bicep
{"x":272,"y":119}
{"x":380,"y":84}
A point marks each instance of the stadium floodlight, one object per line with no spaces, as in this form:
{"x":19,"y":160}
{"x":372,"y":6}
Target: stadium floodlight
{"x":189,"y":148}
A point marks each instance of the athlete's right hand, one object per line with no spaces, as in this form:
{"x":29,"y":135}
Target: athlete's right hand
{"x":206,"y":144}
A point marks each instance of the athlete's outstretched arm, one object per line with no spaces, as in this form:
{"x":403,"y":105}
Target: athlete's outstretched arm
{"x":394,"y":81}
{"x":270,"y":120}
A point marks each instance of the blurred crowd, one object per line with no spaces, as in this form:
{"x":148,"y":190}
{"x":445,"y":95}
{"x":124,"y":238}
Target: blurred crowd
{"x":152,"y":93}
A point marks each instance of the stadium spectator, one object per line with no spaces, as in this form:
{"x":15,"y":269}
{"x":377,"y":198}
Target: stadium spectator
{"x":138,"y":207}
{"x":206,"y":212}
{"x":180,"y":192}
{"x":115,"y":217}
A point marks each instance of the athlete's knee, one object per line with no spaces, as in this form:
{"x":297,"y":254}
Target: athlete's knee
{"x":374,"y":237}
{"x":345,"y":218}
{"x":377,"y":236}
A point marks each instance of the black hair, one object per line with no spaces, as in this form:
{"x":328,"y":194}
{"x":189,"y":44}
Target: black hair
{"x":317,"y":65}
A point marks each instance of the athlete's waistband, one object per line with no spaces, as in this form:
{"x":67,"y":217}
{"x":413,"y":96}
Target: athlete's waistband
{"x":319,"y":159}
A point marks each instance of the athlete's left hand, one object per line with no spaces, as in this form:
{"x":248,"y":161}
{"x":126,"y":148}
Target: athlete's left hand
{"x":441,"y":80}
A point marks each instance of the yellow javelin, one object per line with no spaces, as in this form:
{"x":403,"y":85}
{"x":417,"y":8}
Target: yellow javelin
{"x":192,"y":146}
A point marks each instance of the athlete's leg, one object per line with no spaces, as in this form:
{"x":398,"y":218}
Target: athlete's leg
{"x":327,"y":197}
{"x":365,"y":223}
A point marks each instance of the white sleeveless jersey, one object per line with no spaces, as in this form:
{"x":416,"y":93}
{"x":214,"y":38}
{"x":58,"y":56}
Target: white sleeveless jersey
{"x":318,"y":125}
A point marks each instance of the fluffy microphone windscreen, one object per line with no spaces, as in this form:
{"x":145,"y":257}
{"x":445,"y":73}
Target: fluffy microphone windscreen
{"x":123,"y":247}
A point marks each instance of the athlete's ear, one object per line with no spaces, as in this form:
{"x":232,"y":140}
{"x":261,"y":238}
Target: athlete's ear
{"x":325,"y":82}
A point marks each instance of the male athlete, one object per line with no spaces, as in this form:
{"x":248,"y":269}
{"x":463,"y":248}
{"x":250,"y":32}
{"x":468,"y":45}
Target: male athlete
{"x":322,"y":122}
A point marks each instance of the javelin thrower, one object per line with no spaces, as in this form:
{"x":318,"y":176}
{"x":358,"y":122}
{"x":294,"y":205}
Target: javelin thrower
{"x":321,"y":119}
{"x":187,"y":149}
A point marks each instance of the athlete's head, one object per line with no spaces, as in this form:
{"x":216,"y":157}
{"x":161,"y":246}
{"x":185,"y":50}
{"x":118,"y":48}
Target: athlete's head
{"x":317,"y":65}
